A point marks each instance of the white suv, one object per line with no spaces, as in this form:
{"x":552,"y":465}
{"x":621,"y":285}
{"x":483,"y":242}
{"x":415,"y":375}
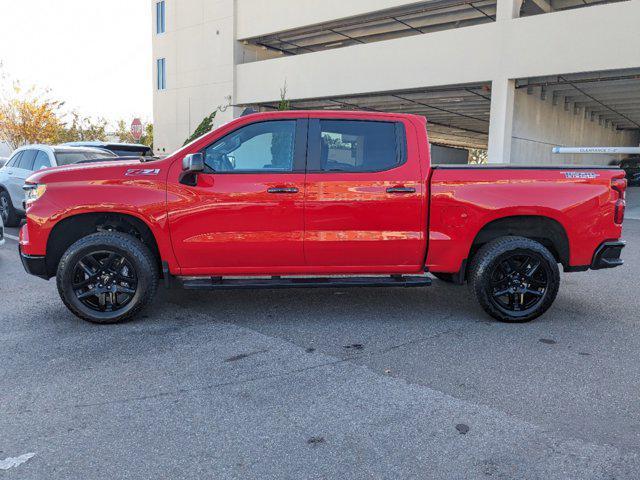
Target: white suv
{"x":28,"y":159}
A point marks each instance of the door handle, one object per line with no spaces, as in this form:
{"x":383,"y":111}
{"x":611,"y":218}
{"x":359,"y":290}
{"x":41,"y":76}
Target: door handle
{"x":282,"y":190}
{"x":401,"y":190}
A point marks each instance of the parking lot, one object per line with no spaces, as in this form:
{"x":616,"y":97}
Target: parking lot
{"x":361,"y":383}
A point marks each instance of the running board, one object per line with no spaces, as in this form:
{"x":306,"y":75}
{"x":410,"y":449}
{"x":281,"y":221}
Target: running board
{"x":219,"y":283}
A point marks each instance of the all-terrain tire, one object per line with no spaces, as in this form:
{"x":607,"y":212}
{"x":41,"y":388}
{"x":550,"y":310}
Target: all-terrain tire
{"x":137,"y":257}
{"x":487,"y":278}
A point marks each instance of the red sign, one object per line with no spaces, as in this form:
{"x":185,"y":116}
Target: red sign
{"x":136,"y":129}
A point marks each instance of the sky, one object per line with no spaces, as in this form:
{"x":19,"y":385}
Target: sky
{"x":93,"y":54}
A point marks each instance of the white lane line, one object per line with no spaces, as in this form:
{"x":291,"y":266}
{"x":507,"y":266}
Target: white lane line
{"x":12,"y":462}
{"x":11,"y":237}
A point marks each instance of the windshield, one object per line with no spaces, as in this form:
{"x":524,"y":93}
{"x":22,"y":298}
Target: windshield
{"x":69,"y":157}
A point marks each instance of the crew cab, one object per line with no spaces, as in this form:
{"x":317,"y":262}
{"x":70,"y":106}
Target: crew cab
{"x":317,"y":199}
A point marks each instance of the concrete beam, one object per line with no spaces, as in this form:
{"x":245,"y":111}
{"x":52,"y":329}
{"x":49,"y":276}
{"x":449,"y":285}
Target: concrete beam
{"x":569,"y":46}
{"x":508,"y":9}
{"x":501,"y":120}
{"x":543,"y":5}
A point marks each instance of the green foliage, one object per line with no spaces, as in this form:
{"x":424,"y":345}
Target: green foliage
{"x":284,"y":103}
{"x":83,"y":129}
{"x":282,"y":143}
{"x":147,"y":136}
{"x":477,"y":156}
{"x":123,"y":133}
{"x":206,"y":125}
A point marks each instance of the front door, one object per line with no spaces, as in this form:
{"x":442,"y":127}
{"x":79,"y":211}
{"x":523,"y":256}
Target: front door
{"x":245,"y":215}
{"x":364,"y":210}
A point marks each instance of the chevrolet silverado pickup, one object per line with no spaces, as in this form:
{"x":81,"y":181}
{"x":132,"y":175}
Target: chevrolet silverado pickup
{"x":317,"y":199}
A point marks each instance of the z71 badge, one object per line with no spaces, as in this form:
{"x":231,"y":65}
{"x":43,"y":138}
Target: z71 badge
{"x":139,"y":172}
{"x":581,"y":175}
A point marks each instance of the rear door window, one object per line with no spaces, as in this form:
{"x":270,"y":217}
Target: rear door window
{"x":27,"y":159}
{"x":41,"y":161}
{"x":360,"y":146}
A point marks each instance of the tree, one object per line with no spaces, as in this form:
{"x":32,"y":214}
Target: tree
{"x":147,"y":136}
{"x":282,"y":142}
{"x":29,"y":116}
{"x":284,"y":103}
{"x":477,"y":156}
{"x":83,"y":129}
{"x":206,"y":125}
{"x":123,"y":133}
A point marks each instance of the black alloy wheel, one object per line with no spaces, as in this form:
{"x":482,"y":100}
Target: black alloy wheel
{"x":519,"y":282}
{"x":107,"y":277}
{"x":104,"y":281}
{"x":515,"y":279}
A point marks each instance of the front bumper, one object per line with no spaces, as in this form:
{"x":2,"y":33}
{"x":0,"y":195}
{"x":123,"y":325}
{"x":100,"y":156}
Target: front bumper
{"x":608,"y":255}
{"x":34,"y":265}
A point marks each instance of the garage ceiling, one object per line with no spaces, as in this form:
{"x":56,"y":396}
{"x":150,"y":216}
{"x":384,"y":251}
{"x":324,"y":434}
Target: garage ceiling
{"x":416,"y":19}
{"x":457,"y":115}
{"x":611,"y":98}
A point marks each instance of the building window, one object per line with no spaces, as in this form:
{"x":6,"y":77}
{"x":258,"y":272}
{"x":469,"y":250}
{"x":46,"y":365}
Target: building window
{"x":162,"y":74}
{"x":160,"y":18}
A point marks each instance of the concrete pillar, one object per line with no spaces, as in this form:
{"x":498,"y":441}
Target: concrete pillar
{"x":508,"y":9}
{"x":501,"y":120}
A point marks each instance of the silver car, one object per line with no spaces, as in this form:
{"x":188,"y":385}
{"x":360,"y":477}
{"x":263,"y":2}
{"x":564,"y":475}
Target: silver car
{"x":31,"y":158}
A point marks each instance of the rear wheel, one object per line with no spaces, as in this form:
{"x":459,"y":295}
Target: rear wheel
{"x":107,"y":277}
{"x":515,"y":279}
{"x":10,"y":217}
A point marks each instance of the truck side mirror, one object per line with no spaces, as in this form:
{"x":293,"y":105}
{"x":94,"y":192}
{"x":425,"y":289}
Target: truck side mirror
{"x":192,"y":164}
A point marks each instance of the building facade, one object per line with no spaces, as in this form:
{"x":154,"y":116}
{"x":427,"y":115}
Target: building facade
{"x":510,"y":76}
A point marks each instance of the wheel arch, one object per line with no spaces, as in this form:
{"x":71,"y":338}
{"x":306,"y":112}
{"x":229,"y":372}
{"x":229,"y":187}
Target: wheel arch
{"x":544,"y":229}
{"x":72,"y":228}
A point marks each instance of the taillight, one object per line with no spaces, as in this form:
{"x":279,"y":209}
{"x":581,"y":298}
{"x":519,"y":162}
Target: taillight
{"x":619,"y":185}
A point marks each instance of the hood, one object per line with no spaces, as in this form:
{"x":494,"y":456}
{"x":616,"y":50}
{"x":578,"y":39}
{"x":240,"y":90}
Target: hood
{"x":108,"y":170}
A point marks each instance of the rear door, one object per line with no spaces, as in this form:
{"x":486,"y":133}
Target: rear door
{"x":364,"y":201}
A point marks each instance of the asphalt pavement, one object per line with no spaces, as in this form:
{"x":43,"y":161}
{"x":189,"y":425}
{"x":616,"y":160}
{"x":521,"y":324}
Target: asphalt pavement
{"x":357,"y":383}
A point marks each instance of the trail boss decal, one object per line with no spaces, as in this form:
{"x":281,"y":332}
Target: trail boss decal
{"x":581,"y":175}
{"x":139,"y":172}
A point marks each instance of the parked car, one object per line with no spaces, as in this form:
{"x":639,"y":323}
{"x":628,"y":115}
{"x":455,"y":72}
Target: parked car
{"x":29,"y":159}
{"x":3,"y":160}
{"x":317,"y":199}
{"x":120,"y":149}
{"x":1,"y":231}
{"x":631,"y":166}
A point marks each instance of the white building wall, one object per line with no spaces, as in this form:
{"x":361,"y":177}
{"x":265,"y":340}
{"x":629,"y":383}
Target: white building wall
{"x":200,"y":51}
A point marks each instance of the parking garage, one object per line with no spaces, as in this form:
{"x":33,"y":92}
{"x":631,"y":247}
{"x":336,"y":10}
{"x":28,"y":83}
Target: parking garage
{"x":509,"y":79}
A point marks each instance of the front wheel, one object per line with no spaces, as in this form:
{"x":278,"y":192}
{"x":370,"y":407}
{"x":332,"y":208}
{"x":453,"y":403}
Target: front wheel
{"x":10,"y":217}
{"x":515,"y":279}
{"x":107,"y":277}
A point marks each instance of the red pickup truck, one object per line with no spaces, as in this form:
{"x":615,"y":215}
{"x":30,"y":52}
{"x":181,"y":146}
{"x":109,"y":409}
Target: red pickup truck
{"x":317,"y":199}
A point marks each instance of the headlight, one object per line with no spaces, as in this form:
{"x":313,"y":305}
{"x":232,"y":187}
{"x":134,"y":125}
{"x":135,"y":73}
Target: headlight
{"x":33,"y":192}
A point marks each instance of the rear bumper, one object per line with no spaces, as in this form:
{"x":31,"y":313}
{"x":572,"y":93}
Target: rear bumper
{"x":34,"y":265}
{"x":608,"y":255}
